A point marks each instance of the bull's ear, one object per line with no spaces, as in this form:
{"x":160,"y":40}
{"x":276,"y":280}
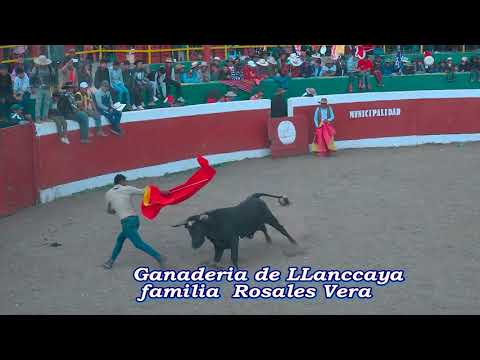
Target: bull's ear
{"x":203,"y":217}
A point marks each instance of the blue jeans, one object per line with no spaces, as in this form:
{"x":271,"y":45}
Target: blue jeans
{"x":122,"y":91}
{"x":82,"y":118}
{"x":130,"y":226}
{"x":114,"y":118}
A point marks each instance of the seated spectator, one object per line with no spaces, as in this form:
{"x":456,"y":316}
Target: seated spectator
{"x":365,"y":67}
{"x":6,"y":91}
{"x":419,"y":66}
{"x":85,"y":102}
{"x":102,"y":74}
{"x":306,"y":69}
{"x":68,"y":108}
{"x":272,"y":66}
{"x":263,"y":71}
{"x":216,"y":74}
{"x":143,"y":87}
{"x":236,"y":71}
{"x":282,"y":79}
{"x":159,"y":83}
{"x":85,"y":74}
{"x":42,"y":82}
{"x":21,"y":88}
{"x":129,"y":82}
{"x":117,"y":83}
{"x":317,"y":67}
{"x":351,"y":65}
{"x":310,"y":92}
{"x":388,"y":67}
{"x":464,"y":65}
{"x":340,"y":64}
{"x":17,"y":116}
{"x":279,"y":104}
{"x":450,"y":70}
{"x":295,"y":63}
{"x":204,"y":72}
{"x":172,"y":78}
{"x":442,"y":66}
{"x":377,"y":70}
{"x":104,"y":102}
{"x":329,"y":69}
{"x":257,"y":96}
{"x":228,"y":97}
{"x":475,"y":69}
{"x":191,"y":76}
{"x":68,"y":74}
{"x":249,"y":72}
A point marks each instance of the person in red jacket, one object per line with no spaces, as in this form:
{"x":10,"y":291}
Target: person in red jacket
{"x":365,"y":67}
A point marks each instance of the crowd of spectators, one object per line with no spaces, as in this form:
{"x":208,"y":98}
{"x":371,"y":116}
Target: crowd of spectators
{"x":76,"y":90}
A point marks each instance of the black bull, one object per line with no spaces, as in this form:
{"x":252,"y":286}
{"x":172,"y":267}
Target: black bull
{"x":224,"y":227}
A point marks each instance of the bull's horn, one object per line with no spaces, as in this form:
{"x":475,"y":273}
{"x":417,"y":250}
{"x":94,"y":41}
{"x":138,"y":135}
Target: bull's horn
{"x":203,"y":217}
{"x":181,"y":224}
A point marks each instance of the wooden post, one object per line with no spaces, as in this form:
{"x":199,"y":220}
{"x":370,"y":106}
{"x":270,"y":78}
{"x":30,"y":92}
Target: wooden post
{"x":149,"y":54}
{"x":463,"y":48}
{"x":384,"y":49}
{"x":100,"y":54}
{"x":226,"y":51}
{"x":188,"y":52}
{"x":421,"y":49}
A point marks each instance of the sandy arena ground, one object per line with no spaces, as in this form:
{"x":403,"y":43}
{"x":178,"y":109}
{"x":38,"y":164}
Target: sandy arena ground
{"x":413,"y":208}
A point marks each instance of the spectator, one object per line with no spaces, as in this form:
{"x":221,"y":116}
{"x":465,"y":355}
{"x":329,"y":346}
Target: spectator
{"x":129,"y":81}
{"x":450,"y":70}
{"x":216,"y":74}
{"x":213,"y":96}
{"x":442,"y":66}
{"x":21,"y":87}
{"x":117,"y":83}
{"x":352,"y":70}
{"x":279,"y":104}
{"x":204,"y":72}
{"x":365,"y":68}
{"x":295,"y":63}
{"x":310,"y":92}
{"x":68,"y":108}
{"x":464,"y":65}
{"x":191,"y":77}
{"x":102,"y":74}
{"x":340,"y":64}
{"x":306,"y":69}
{"x":68,"y":74}
{"x":377,"y":70}
{"x":257,"y":96}
{"x":71,"y":57}
{"x":85,"y":74}
{"x":475,"y":69}
{"x":329,"y":69}
{"x":228,"y":97}
{"x":142,"y":84}
{"x":419,"y":66}
{"x":272,"y":66}
{"x":6,"y":91}
{"x":172,"y":78}
{"x":317,"y":67}
{"x":262,"y":69}
{"x":159,"y":81}
{"x":104,"y":103}
{"x":85,"y":102}
{"x":283,"y":79}
{"x":236,"y":71}
{"x":249,"y":72}
{"x":227,"y":72}
{"x":42,"y":81}
{"x":17,"y":116}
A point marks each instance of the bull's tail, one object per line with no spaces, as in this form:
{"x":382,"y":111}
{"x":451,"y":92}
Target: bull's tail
{"x":282,"y":200}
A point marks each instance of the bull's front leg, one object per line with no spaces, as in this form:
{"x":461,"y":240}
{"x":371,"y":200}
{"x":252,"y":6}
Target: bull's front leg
{"x":234,"y":251}
{"x":218,"y":254}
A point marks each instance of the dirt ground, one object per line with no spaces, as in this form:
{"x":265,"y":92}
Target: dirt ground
{"x":415,"y":209}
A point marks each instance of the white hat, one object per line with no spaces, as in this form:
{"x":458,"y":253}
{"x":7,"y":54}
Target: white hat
{"x":118,"y":106}
{"x":429,"y":60}
{"x":203,"y":63}
{"x":262,"y":62}
{"x":84,"y":85}
{"x":230,"y":94}
{"x":194,"y":65}
{"x":243,"y":57}
{"x":271,"y":60}
{"x":42,"y":60}
{"x":316,"y":56}
{"x":464,"y":58}
{"x":216,"y":58}
{"x":323,"y":50}
{"x":449,"y":58}
{"x":296,"y":61}
{"x":310,"y":91}
{"x":251,"y":63}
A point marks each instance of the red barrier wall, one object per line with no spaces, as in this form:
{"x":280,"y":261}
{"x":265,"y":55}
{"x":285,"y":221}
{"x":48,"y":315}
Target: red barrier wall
{"x":17,"y":175}
{"x":151,"y":142}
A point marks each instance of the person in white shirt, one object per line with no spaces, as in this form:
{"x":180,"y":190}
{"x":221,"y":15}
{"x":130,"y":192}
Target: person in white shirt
{"x":21,"y":87}
{"x":119,"y":202}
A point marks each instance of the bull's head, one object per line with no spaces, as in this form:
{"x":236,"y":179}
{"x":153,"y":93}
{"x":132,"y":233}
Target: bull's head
{"x":196,"y":226}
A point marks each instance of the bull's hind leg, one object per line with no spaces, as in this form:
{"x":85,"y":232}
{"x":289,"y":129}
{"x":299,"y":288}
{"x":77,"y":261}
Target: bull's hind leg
{"x":268,"y":239}
{"x":218,"y":254}
{"x":273,"y":222}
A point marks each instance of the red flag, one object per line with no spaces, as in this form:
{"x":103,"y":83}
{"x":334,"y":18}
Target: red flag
{"x":154,"y":200}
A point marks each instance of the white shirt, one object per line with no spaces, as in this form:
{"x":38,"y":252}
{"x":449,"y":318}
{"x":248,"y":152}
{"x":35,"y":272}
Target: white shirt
{"x":120,"y":199}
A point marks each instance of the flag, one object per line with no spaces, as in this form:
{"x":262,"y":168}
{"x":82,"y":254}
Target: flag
{"x":154,"y":200}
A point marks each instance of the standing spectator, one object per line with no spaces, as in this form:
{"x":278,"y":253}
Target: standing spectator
{"x":68,"y":108}
{"x":68,"y":74}
{"x":279,"y":104}
{"x":377,"y":70}
{"x":464,"y":65}
{"x":6,"y":91}
{"x":143,"y":86}
{"x":450,"y":70}
{"x":365,"y":67}
{"x":475,"y":69}
{"x":85,"y":102}
{"x":204,"y":72}
{"x":42,"y":81}
{"x":129,"y":81}
{"x":191,"y":76}
{"x":117,"y":83}
{"x":329,"y":69}
{"x":351,"y":66}
{"x":85,"y":74}
{"x":104,"y":103}
{"x":21,"y":88}
{"x":172,"y":78}
{"x":102,"y":74}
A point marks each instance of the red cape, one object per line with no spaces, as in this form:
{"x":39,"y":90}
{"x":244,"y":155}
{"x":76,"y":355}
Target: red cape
{"x":154,"y":200}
